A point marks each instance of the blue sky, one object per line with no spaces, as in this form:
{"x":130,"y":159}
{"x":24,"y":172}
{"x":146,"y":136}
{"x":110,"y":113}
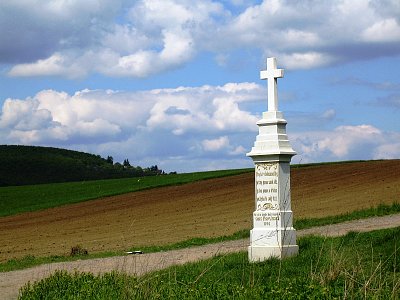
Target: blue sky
{"x":176,"y":82}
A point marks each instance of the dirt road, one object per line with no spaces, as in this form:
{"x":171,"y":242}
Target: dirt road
{"x":10,"y":282}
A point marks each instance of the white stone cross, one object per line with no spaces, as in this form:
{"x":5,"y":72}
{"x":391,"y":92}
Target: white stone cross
{"x":272,"y":74}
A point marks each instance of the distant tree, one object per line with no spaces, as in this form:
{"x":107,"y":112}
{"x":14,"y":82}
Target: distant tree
{"x":139,"y":171}
{"x":126,"y":163}
{"x":118,"y":166}
{"x":110,"y":159}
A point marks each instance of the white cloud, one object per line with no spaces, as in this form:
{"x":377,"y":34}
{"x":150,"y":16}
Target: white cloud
{"x":390,"y":150}
{"x":306,"y":60}
{"x":49,"y":66}
{"x":215,"y":144}
{"x":347,"y":137}
{"x":207,"y":109}
{"x":345,"y":143}
{"x":387,"y":30}
{"x":97,"y":128}
{"x":159,"y":123}
{"x":155,"y":36}
{"x":184,"y":128}
{"x":55,"y":65}
{"x":310,"y":34}
{"x":24,"y":115}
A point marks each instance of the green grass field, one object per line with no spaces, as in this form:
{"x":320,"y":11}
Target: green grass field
{"x":356,"y":266}
{"x":19,"y":199}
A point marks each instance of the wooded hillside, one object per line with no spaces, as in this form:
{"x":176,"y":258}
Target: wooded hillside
{"x":23,"y":165}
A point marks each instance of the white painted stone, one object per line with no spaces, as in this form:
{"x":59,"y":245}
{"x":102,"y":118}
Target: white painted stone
{"x":273,"y":234}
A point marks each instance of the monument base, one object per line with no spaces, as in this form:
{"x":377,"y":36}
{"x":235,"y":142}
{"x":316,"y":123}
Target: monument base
{"x":267,"y":242}
{"x":262,"y":253}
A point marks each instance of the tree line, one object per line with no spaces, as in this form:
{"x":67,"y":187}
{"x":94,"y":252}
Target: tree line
{"x":24,"y":165}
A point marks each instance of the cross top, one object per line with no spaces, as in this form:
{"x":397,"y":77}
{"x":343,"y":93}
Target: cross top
{"x":272,"y":74}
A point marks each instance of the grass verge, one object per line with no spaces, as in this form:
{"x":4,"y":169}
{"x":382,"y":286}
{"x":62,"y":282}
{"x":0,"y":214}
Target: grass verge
{"x":19,"y":199}
{"x":30,"y":261}
{"x":356,"y":266}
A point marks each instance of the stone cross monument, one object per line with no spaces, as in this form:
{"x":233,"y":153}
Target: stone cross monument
{"x":273,"y":234}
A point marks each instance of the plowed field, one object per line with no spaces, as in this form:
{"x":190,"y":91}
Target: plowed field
{"x":202,"y":209}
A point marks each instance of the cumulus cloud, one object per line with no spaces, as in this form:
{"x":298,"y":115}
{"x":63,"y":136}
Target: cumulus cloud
{"x":390,"y":150}
{"x":153,"y":36}
{"x":314,"y":33}
{"x":184,"y":128}
{"x":387,"y":30}
{"x":306,"y":60}
{"x":139,"y":39}
{"x":180,"y":122}
{"x":345,"y":143}
{"x":55,"y":65}
{"x":215,"y":144}
{"x":206,"y":109}
{"x":24,"y":115}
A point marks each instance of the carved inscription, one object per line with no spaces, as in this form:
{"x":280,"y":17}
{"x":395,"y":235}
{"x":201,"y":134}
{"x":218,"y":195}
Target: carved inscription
{"x":262,"y":219}
{"x":267,"y":186}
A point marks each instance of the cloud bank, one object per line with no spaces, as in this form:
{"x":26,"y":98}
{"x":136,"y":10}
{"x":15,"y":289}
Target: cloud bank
{"x":138,"y":39}
{"x":183,"y":129}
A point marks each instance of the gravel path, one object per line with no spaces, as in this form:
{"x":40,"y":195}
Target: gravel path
{"x":10,"y":282}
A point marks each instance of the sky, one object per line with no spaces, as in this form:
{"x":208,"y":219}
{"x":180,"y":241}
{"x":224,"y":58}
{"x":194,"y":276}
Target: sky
{"x":176,"y":83}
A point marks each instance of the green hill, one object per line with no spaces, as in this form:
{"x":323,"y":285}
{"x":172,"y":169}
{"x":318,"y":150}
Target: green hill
{"x":23,"y":165}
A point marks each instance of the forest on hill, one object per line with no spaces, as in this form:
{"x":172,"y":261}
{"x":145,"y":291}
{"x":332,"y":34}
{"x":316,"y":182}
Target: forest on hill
{"x":24,"y":165}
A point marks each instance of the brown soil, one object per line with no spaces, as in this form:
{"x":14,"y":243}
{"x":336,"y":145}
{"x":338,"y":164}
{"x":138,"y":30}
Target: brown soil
{"x":201,"y":209}
{"x":11,"y":282}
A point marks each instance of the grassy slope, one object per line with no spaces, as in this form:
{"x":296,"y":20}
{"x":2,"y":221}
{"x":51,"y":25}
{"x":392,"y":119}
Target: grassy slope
{"x":356,"y":266}
{"x":14,"y":200}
